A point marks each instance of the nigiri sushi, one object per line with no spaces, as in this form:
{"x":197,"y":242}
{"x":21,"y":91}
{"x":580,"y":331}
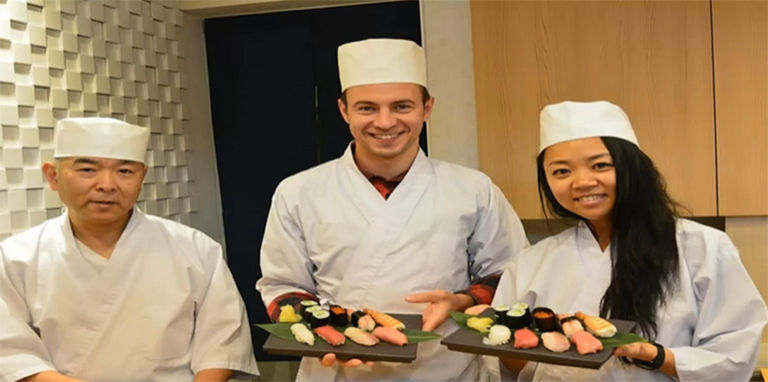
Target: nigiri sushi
{"x":384,"y":319}
{"x":360,"y":336}
{"x":597,"y":325}
{"x":366,"y":323}
{"x":498,"y":335}
{"x":476,"y":309}
{"x":586,"y":343}
{"x":302,"y":334}
{"x":555,"y":341}
{"x":390,"y":335}
{"x":525,"y":339}
{"x":330,"y":335}
{"x":570,"y":325}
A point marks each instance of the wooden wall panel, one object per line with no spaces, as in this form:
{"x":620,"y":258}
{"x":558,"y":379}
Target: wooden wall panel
{"x":741,"y":103}
{"x":652,"y":58}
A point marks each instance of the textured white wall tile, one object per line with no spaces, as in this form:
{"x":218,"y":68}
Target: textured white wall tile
{"x":66,"y":58}
{"x":51,"y":198}
{"x":17,"y":200}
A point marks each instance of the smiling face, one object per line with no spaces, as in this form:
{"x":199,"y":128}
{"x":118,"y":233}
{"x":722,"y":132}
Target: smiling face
{"x":385,"y":121}
{"x":582,"y":178}
{"x":96,"y":191}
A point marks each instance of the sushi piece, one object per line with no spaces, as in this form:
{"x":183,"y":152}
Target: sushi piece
{"x":360,"y":336}
{"x":525,"y":339}
{"x":390,"y":335}
{"x":481,"y":324}
{"x":570,"y":325}
{"x":304,"y":304}
{"x":545,"y":319}
{"x":330,"y":335}
{"x":306,"y":313}
{"x":501,"y":313}
{"x":527,"y":317}
{"x":384,"y":319}
{"x":354,"y":316}
{"x":498,"y":335}
{"x":597,"y":325}
{"x":302,"y":334}
{"x":517,"y":319}
{"x":586,"y":343}
{"x":320,"y":318}
{"x":288,"y":314}
{"x":476,"y":309}
{"x":338,"y":316}
{"x":366,"y":323}
{"x":555,"y":341}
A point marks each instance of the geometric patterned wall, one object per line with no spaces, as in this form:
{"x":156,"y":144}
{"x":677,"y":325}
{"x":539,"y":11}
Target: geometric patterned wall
{"x":74,"y":58}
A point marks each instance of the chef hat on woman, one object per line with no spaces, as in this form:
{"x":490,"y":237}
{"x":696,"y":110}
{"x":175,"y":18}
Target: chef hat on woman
{"x":381,"y":61}
{"x":100,"y":138}
{"x":566,"y":121}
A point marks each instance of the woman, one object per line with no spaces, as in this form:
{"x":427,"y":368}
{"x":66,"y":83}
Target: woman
{"x":631,"y":257}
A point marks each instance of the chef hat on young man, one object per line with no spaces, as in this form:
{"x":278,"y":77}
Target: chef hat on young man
{"x":100,"y":137}
{"x":569,"y":120}
{"x":381,"y":61}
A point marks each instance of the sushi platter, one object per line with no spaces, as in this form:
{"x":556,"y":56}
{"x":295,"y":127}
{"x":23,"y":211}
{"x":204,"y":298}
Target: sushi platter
{"x":381,"y":351}
{"x":472,"y":341}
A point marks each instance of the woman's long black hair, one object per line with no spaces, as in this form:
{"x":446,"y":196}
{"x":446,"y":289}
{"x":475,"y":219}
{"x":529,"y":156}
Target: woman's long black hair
{"x":643,"y":246}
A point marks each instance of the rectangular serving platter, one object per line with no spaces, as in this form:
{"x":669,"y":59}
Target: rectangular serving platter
{"x":470,"y":341}
{"x":379,"y":352}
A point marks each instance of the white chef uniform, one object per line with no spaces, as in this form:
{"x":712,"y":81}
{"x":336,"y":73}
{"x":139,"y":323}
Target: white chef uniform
{"x":163,"y":307}
{"x":712,"y":322}
{"x":330,"y":233}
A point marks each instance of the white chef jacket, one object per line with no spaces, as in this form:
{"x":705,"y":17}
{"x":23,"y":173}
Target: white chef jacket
{"x":712,"y":322}
{"x":163,"y":307}
{"x":330,"y":233}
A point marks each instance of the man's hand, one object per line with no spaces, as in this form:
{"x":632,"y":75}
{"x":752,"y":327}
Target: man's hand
{"x":49,"y":376}
{"x":329,"y":359}
{"x":440,"y":304}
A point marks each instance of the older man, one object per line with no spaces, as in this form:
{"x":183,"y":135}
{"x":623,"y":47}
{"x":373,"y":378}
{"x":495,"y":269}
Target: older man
{"x":384,"y":226}
{"x":105,"y":292}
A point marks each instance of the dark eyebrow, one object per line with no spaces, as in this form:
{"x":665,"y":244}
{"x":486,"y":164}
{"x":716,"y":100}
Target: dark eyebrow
{"x":593,"y":157}
{"x":94,"y":162}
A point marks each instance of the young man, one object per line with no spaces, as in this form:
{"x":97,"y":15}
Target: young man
{"x":385,"y":227}
{"x":105,"y":292}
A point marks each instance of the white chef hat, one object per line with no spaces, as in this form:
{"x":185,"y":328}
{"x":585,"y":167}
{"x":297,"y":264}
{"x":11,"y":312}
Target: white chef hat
{"x":380,"y":61}
{"x":569,"y":120}
{"x":100,"y":137}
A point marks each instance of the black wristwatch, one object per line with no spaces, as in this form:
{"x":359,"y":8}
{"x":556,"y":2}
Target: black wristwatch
{"x":655,"y":363}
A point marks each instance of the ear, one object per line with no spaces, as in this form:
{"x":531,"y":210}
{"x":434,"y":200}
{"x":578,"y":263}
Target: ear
{"x":428,"y":106}
{"x":51,"y":175}
{"x":343,"y":110}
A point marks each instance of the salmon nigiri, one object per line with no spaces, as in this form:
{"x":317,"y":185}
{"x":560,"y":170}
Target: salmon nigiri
{"x":384,"y":319}
{"x":391,"y":335}
{"x":330,"y":335}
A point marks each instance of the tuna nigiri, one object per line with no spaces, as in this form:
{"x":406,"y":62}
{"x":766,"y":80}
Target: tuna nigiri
{"x":597,"y":325}
{"x":391,"y":335}
{"x":330,"y":335}
{"x":586,"y":343}
{"x":360,"y":336}
{"x":555,"y":341}
{"x":384,"y":319}
{"x":525,"y":339}
{"x":302,"y":334}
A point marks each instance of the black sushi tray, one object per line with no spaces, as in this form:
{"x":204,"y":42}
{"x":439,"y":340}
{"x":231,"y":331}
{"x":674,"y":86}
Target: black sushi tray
{"x":379,"y":352}
{"x":470,"y":341}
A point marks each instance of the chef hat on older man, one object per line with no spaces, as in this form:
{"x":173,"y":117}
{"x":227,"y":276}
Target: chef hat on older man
{"x":100,"y":137}
{"x":381,"y":61}
{"x":569,"y":120}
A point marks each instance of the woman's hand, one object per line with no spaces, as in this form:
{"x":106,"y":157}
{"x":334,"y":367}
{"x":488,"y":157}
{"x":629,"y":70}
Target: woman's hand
{"x":440,"y":304}
{"x":330,"y":358}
